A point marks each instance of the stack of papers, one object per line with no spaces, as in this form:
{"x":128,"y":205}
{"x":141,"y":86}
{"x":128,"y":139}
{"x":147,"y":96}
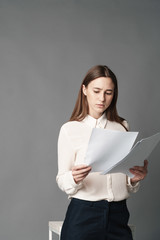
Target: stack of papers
{"x":112,"y":151}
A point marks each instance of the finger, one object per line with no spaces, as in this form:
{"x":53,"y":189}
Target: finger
{"x":80,"y":174}
{"x":138,"y":175}
{"x":82,"y":171}
{"x":137,"y":169}
{"x":79,"y":167}
{"x":79,"y":177}
{"x":135,"y":172}
{"x":140,"y":168}
{"x":142,"y":172}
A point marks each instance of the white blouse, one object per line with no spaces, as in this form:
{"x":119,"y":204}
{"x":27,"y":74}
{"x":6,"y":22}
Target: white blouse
{"x":72,"y":145}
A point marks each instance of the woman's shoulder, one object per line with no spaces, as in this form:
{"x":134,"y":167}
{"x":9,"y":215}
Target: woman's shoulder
{"x":118,"y":126}
{"x":73,"y":126}
{"x":70,"y":124}
{"x":125,"y":123}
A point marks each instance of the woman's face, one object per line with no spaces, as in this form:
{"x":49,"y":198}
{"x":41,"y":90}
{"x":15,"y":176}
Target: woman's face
{"x":99,"y":94}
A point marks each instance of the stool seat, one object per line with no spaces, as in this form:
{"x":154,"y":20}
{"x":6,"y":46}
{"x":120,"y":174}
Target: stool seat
{"x":56,"y":226}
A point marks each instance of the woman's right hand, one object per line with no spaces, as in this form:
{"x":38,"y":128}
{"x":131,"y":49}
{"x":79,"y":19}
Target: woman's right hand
{"x":79,"y":172}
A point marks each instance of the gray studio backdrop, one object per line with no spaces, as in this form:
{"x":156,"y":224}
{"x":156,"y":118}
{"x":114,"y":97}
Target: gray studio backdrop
{"x":46,"y":47}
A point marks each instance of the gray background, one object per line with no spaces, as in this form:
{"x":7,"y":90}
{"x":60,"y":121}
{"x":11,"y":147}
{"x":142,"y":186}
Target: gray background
{"x":46,"y":47}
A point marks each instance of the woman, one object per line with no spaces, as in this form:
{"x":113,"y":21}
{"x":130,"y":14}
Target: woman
{"x":97,"y":210}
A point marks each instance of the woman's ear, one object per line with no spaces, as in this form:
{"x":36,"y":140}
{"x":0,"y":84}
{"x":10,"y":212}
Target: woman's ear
{"x":84,"y":90}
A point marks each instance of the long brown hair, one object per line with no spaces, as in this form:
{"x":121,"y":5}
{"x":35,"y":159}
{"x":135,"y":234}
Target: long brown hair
{"x":81,"y":107}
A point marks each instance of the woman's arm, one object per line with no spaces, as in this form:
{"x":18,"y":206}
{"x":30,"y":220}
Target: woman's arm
{"x":69,"y":177}
{"x":66,"y":157}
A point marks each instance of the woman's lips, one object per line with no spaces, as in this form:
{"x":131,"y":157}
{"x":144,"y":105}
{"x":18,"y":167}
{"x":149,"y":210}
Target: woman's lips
{"x":100,"y":105}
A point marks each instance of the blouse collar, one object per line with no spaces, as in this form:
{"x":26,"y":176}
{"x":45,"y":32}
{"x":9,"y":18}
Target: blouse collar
{"x":96,"y":123}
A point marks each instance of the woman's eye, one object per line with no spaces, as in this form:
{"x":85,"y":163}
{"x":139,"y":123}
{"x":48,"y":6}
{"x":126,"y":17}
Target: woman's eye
{"x":108,"y":93}
{"x":96,"y":92}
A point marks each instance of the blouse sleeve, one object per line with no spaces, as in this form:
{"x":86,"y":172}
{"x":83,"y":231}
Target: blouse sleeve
{"x":66,"y":157}
{"x":132,"y":188}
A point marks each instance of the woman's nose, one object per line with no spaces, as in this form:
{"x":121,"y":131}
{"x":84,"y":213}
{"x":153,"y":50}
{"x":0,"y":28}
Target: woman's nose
{"x":102,"y":97}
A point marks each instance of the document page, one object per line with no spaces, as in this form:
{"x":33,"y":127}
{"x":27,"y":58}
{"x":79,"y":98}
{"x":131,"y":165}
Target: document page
{"x":106,"y":148}
{"x":136,"y":156}
{"x":111,"y":151}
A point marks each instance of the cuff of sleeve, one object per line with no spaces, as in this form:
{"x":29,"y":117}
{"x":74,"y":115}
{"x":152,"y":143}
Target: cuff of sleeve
{"x":67,"y":184}
{"x":132,"y":186}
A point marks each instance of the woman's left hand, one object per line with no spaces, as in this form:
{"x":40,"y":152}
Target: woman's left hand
{"x":139,"y":172}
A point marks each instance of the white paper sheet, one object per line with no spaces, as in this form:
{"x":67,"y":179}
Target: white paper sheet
{"x":136,"y":156}
{"x":110,"y":151}
{"x":106,"y":148}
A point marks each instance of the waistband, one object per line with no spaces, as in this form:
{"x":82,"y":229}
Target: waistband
{"x":100,"y":204}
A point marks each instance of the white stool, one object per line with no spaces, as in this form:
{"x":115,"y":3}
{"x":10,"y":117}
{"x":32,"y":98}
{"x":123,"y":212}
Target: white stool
{"x":56,"y":226}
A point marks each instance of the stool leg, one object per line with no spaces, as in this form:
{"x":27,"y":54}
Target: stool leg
{"x":50,"y":234}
